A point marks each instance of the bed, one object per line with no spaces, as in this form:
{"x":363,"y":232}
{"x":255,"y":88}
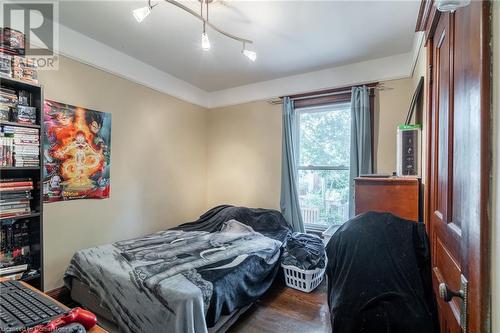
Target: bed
{"x":197,"y":277}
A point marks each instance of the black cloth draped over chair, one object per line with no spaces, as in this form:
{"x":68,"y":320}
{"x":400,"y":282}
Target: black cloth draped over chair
{"x":379,"y":276}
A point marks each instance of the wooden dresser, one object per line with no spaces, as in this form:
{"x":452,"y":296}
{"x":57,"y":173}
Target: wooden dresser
{"x":396,"y":195}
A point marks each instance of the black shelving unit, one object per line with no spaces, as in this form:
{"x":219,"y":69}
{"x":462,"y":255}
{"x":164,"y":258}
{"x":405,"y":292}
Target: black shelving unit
{"x":35,"y":218}
{"x":2,"y":122}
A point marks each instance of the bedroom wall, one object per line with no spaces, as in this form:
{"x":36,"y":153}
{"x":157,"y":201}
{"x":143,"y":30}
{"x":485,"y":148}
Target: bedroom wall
{"x":419,"y":71}
{"x":158,"y":165}
{"x":244,"y":147}
{"x":244,"y":155}
{"x":391,"y":107}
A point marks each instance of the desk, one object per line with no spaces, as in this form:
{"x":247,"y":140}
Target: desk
{"x":96,"y":329}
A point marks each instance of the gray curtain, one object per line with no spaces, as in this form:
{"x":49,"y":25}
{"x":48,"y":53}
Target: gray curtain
{"x":361,"y":140}
{"x":290,"y":207}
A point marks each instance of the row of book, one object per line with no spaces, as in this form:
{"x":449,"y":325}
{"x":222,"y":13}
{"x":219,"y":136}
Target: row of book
{"x":12,"y":41}
{"x":12,"y":60}
{"x":24,"y":69}
{"x":17,"y":67}
{"x":15,"y":197}
{"x":19,"y":146}
{"x":16,"y":107}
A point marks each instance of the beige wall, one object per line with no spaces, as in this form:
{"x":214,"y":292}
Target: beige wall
{"x":244,"y":155}
{"x":244,"y":147}
{"x":158,"y":165}
{"x":420,"y":70}
{"x":391,"y":107}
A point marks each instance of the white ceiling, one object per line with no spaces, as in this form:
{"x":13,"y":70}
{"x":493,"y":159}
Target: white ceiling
{"x":291,"y":37}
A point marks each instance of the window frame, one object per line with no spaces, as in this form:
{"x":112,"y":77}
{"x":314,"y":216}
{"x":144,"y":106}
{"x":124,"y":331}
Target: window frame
{"x":324,"y":98}
{"x":316,"y":227}
{"x":337,"y":95}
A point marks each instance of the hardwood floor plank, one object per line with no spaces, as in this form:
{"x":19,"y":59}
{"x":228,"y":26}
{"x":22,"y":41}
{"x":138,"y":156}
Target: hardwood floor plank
{"x":285,"y":310}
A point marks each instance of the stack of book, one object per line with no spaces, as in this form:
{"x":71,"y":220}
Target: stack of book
{"x":15,"y":196}
{"x":24,"y":69}
{"x":12,"y":41}
{"x":20,"y":146}
{"x":6,"y":151}
{"x":5,"y":64}
{"x":24,"y":114}
{"x":8,"y":101}
{"x":12,"y":60}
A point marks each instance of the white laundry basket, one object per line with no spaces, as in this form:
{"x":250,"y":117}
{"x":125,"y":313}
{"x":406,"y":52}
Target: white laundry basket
{"x":302,"y":279}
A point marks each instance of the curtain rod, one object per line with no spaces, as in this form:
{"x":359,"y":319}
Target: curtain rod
{"x":331,"y":92}
{"x":324,"y":95}
{"x":279,"y":100}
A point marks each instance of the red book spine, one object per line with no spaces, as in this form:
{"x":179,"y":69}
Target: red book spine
{"x":15,"y":184}
{"x":19,"y":188}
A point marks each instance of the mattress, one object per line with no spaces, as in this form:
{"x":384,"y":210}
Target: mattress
{"x":187,"y":280}
{"x":82,"y":294}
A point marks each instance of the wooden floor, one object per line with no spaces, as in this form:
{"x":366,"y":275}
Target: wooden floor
{"x":285,"y":310}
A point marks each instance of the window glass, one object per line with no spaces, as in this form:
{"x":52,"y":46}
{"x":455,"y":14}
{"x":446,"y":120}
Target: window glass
{"x":323,"y":170}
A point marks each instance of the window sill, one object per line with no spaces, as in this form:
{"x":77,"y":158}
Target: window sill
{"x":315,"y":228}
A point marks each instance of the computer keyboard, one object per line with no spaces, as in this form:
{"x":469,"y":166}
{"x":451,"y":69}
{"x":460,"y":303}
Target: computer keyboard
{"x":22,"y":308}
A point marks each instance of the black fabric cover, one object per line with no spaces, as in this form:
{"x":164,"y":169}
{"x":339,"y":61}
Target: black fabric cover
{"x":379,"y":276}
{"x":241,"y":285}
{"x":304,"y":251}
{"x":268,"y":222}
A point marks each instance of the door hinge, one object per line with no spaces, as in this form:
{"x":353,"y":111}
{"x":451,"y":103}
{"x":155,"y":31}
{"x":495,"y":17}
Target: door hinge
{"x":430,"y":74}
{"x":464,"y":286}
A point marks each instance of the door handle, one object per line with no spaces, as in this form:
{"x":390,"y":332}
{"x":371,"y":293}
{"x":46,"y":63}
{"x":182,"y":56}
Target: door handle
{"x":448,"y":294}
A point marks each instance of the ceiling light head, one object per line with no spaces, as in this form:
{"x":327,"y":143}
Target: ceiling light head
{"x":205,"y":42}
{"x":252,"y":55}
{"x":451,"y":5}
{"x":141,"y":13}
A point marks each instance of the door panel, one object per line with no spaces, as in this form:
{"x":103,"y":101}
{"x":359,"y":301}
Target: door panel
{"x":442,"y":87}
{"x":459,"y":162}
{"x":445,"y":233}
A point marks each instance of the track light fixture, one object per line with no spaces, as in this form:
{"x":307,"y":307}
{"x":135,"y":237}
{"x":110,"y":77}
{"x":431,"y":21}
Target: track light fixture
{"x":205,"y":42}
{"x":141,"y":13}
{"x":252,"y":55}
{"x":451,"y":5}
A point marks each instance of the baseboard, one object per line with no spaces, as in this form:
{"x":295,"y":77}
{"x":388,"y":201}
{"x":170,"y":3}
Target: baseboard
{"x":60,"y":294}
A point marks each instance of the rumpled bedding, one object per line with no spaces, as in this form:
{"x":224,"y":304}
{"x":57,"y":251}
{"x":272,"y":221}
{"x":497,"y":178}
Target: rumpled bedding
{"x":304,"y":251}
{"x":182,"y":281}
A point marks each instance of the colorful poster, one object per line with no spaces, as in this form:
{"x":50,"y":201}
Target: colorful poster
{"x":76,"y":148}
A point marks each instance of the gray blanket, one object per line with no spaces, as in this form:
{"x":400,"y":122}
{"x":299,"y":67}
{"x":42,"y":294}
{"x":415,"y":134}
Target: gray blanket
{"x":154,"y":283}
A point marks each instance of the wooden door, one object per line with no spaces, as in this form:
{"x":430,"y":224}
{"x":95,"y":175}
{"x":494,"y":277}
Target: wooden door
{"x":459,"y":164}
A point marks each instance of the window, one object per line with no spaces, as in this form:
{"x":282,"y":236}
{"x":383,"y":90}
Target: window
{"x":323,"y":164}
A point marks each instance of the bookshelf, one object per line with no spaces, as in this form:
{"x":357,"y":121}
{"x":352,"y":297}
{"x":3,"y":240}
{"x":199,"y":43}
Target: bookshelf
{"x":12,"y":123}
{"x":31,"y":221}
